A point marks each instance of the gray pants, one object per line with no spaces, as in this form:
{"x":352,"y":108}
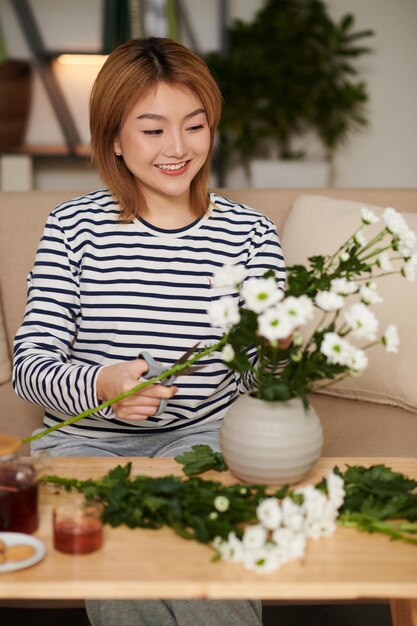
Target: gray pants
{"x":153,"y":612}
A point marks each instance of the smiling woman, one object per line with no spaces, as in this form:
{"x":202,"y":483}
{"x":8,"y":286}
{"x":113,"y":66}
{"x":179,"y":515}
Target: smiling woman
{"x":129,"y":269}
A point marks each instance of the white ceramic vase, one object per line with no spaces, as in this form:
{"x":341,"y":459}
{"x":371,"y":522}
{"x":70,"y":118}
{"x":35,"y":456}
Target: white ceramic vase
{"x":273,"y":443}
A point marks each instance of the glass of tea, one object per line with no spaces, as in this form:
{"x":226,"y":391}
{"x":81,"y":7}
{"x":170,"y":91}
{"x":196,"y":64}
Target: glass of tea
{"x":77,"y":527}
{"x":18,"y":488}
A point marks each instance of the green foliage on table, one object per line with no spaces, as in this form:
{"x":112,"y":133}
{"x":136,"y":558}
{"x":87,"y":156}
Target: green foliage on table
{"x":378,"y":500}
{"x":186,"y":505}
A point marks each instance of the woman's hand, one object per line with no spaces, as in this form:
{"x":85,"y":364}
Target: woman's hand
{"x":116,"y":379}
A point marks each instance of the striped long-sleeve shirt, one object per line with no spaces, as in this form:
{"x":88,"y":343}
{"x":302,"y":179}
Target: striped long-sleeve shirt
{"x":102,"y":291}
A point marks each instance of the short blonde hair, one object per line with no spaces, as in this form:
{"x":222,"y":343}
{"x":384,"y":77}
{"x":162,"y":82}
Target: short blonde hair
{"x":130,"y":73}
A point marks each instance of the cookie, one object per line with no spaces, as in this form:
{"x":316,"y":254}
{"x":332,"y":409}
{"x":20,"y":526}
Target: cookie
{"x":2,"y":547}
{"x":19,"y":552}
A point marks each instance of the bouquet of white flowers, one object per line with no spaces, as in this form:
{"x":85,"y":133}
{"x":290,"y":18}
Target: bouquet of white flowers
{"x":335,"y":292}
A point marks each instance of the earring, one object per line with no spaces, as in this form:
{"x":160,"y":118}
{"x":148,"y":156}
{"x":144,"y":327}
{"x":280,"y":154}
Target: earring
{"x":118,"y":153}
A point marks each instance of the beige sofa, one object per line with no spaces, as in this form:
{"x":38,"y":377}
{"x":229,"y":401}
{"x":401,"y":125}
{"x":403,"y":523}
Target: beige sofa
{"x":376,"y":424}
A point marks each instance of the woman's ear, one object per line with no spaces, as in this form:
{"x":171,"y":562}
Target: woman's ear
{"x":117,"y":148}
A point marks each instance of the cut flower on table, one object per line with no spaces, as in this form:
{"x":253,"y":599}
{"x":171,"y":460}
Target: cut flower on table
{"x":284,"y":527}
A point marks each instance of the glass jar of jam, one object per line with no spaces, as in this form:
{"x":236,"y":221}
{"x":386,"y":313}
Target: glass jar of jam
{"x":18,"y":488}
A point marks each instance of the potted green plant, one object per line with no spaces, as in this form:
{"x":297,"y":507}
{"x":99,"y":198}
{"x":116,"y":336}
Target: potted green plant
{"x":15,"y":98}
{"x":287,"y":73}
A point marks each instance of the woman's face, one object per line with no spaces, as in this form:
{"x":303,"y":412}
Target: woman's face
{"x":164,"y":141}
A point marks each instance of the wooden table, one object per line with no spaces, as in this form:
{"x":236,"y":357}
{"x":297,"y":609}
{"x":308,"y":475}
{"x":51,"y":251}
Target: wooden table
{"x":158,"y":564}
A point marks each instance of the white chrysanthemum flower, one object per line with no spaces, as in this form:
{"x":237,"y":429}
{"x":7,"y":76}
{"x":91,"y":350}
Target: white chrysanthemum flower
{"x":357,"y":360}
{"x":413,"y":259}
{"x":261,"y":293}
{"x":391,"y":339}
{"x":360,"y":239}
{"x":343,"y":286}
{"x":369,"y":293}
{"x":300,"y":310}
{"x":291,"y":544}
{"x":229,"y":276}
{"x":228,"y":354}
{"x":278,"y":538}
{"x":335,"y":489}
{"x":362,"y":321}
{"x":254,"y":537}
{"x":383,"y":261}
{"x":329,"y":301}
{"x":275,"y":324}
{"x":409,"y":270}
{"x":394,"y":221}
{"x":269,"y":513}
{"x":264,"y":560}
{"x":407,"y":243}
{"x":336,"y":349}
{"x":230,"y":549}
{"x":368,"y":216}
{"x":321,"y":528}
{"x":224,"y":312}
{"x":221,"y":503}
{"x":344,"y":256}
{"x":292,"y":515}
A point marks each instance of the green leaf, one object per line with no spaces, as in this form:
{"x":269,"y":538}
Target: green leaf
{"x":201,"y":458}
{"x":274,"y":391}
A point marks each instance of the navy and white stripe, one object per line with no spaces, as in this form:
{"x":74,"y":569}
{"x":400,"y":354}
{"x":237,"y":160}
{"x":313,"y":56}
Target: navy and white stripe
{"x":102,"y":292}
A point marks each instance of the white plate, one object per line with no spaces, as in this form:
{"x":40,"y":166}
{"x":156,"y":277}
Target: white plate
{"x":11,"y":539}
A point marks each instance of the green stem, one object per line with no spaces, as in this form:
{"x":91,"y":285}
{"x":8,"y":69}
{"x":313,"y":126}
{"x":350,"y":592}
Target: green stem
{"x":309,"y":341}
{"x":156,"y":379}
{"x":331,"y":258}
{"x":333,"y":381}
{"x":367,"y":278}
{"x":393,"y":530}
{"x":378,"y":251}
{"x":375,"y":240}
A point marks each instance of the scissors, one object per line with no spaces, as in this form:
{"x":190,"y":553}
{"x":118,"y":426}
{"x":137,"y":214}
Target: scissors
{"x":155,"y":369}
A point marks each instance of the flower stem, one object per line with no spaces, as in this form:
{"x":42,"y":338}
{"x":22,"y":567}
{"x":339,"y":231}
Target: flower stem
{"x":175,"y":370}
{"x":396,"y":531}
{"x":331,"y":258}
{"x":375,"y":240}
{"x":372,"y":253}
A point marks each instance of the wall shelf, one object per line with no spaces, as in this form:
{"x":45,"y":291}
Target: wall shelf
{"x":80,"y":151}
{"x":43,"y":60}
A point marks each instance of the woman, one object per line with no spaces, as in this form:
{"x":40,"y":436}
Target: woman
{"x":128,"y":269}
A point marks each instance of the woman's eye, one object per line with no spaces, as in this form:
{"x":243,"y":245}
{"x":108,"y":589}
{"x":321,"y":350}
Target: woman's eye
{"x":153,"y":132}
{"x":197,"y":127}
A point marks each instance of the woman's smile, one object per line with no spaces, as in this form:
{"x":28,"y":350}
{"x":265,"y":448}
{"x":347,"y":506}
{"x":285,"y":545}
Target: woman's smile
{"x":173,"y":169}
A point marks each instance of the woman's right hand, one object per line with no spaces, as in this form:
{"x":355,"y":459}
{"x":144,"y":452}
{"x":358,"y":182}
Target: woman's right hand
{"x":116,"y":379}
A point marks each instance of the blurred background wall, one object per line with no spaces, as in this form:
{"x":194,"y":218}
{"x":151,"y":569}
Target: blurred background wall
{"x":382,"y":155}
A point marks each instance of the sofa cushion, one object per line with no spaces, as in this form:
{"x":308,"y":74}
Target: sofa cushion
{"x":318,"y":225}
{"x":5,"y":362}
